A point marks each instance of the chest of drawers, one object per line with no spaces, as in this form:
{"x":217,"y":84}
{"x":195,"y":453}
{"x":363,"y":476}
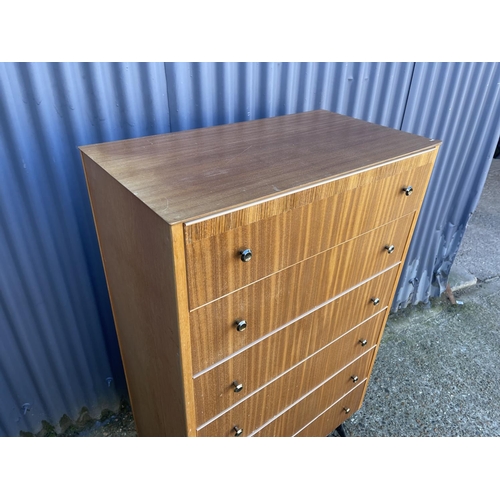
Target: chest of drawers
{"x":251,"y":267}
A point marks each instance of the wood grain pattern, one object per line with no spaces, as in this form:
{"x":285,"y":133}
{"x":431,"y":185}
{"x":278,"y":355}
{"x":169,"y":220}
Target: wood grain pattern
{"x":407,"y":168}
{"x":308,"y":408}
{"x":214,"y":390}
{"x":291,"y":292}
{"x":181,"y":176}
{"x":142,"y":266}
{"x":403,"y":258}
{"x":274,"y":398}
{"x":260,"y":363}
{"x":328,"y":421}
{"x":214,"y":264}
{"x":178,"y":267}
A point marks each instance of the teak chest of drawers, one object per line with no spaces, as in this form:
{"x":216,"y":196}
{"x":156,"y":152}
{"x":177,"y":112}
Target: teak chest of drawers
{"x":251,"y":267}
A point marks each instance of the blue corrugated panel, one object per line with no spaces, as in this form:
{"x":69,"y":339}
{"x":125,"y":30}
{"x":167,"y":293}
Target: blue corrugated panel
{"x":206,"y":94}
{"x":58,"y":351}
{"x":458,"y":103}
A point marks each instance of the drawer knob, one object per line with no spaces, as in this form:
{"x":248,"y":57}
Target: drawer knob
{"x":375,"y":300}
{"x":347,"y":410}
{"x":363,"y":342}
{"x":389,"y":248}
{"x":237,"y":431}
{"x":408,"y":190}
{"x":354,"y":378}
{"x":241,"y":325}
{"x":237,"y":386}
{"x":246,"y":254}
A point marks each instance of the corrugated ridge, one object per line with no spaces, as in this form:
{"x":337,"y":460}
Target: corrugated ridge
{"x":206,"y":94}
{"x":58,"y":348}
{"x":458,"y":103}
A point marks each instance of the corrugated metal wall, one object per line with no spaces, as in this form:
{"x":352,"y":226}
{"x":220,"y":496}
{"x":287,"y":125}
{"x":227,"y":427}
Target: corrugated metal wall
{"x":205,"y":94}
{"x":458,"y":103}
{"x":58,"y":351}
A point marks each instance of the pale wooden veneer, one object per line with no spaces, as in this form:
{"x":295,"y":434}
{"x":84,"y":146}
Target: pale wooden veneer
{"x":214,"y":264}
{"x":333,"y":416}
{"x":308,"y":409}
{"x":275,"y":397}
{"x":317,"y":197}
{"x":144,"y":264}
{"x":259,"y":363}
{"x":269,"y":364}
{"x":292,"y":292}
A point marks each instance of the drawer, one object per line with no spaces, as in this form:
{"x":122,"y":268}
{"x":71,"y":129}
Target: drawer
{"x":254,"y":411}
{"x":272,"y":302}
{"x":328,"y":421}
{"x":323,"y":400}
{"x":215,"y":392}
{"x":215,"y":266}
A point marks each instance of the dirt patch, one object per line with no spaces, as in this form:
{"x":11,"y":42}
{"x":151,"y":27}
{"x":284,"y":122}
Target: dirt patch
{"x":110,"y":424}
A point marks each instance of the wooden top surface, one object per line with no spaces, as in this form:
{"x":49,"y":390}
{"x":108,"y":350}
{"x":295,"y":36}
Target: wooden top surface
{"x":195,"y":173}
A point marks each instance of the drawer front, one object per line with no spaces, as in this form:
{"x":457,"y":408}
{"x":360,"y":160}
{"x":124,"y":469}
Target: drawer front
{"x":323,"y":400}
{"x":215,"y":391}
{"x":283,"y":392}
{"x":273,"y":302}
{"x":328,"y":421}
{"x":215,"y":266}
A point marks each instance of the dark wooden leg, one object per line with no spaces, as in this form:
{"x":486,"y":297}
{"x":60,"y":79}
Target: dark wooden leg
{"x":341,"y":431}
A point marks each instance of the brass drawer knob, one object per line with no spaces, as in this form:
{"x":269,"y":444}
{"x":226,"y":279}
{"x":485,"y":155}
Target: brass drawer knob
{"x":246,"y":254}
{"x":347,"y":410}
{"x":363,"y":342}
{"x":375,"y":301}
{"x":237,"y":431}
{"x":237,"y":386}
{"x":354,"y":378}
{"x":389,"y":248}
{"x":241,"y":325}
{"x":408,"y":190}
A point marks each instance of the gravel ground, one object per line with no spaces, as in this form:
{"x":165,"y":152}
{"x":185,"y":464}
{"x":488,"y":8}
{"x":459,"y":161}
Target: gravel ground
{"x":436,"y":373}
{"x":479,"y":251}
